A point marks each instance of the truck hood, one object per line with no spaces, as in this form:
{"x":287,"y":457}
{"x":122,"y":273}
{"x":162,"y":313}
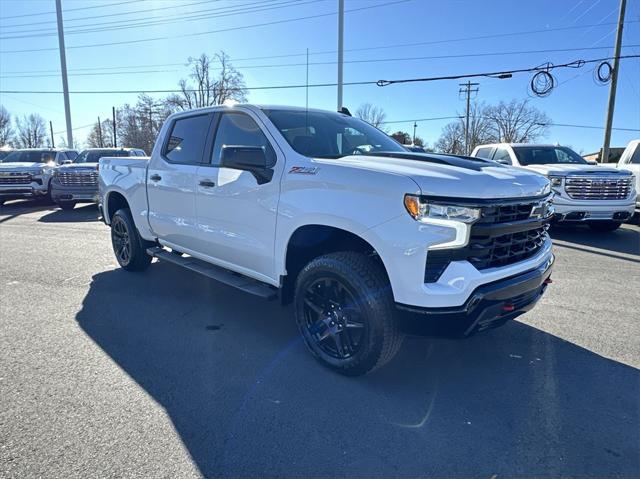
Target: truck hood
{"x":563,"y":170}
{"x":22,"y":166}
{"x":440,"y":175}
{"x":79,"y":166}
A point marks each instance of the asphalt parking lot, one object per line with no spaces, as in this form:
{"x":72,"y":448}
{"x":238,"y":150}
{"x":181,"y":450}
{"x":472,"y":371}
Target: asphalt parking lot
{"x":105,"y":373}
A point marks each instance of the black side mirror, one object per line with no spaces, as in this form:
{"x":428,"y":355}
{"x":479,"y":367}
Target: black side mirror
{"x":254,"y":159}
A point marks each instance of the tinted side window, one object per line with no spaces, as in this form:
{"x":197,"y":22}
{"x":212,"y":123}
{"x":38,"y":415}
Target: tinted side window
{"x":502,"y":156}
{"x":238,"y":129}
{"x":484,"y":153}
{"x":635,"y":159}
{"x":187,"y":139}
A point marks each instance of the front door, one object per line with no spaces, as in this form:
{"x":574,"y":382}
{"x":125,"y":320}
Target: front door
{"x":236,"y":213}
{"x":171,"y":181}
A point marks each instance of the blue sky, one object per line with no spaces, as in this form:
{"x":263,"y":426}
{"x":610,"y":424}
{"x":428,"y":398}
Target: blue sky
{"x":382,"y":33}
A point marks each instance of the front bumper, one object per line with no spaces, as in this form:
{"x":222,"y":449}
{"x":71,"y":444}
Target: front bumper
{"x":489,"y":306}
{"x":567,"y":210}
{"x":31,"y":190}
{"x":74,"y":193}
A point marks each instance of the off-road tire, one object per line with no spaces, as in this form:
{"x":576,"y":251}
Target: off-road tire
{"x":366,"y":282}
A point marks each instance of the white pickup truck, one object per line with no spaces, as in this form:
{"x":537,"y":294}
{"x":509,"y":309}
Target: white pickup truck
{"x":630,"y":161}
{"x":324,"y":210}
{"x":599,"y":196}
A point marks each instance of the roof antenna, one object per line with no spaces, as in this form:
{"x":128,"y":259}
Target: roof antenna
{"x":345,"y":111}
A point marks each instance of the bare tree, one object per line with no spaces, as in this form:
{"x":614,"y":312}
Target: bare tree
{"x":6,"y":130}
{"x":517,"y":122}
{"x":452,"y":139}
{"x":212,"y":82}
{"x":31,"y":132}
{"x":373,"y":115}
{"x":101,"y":136}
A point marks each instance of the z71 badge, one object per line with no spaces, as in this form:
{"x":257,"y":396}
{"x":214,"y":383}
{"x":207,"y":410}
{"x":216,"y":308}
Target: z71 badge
{"x":304,"y":170}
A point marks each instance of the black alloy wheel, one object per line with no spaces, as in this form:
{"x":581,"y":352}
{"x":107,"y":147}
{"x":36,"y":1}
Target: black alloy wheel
{"x":333,"y":318}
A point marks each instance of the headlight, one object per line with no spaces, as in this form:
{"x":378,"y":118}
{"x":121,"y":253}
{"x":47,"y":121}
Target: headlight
{"x":423,"y":210}
{"x":556,"y":181}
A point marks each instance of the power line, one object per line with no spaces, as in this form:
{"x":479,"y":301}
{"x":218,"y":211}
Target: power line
{"x":499,"y":74}
{"x":224,"y":30}
{"x":119,"y":14}
{"x":39,"y":73}
{"x":504,"y":73}
{"x":255,"y":7}
{"x":70,"y":10}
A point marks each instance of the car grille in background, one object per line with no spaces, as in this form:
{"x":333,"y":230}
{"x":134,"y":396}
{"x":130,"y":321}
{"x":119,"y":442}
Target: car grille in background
{"x":15,"y":178}
{"x":88,"y":178}
{"x":504,"y":234}
{"x":598,"y":188}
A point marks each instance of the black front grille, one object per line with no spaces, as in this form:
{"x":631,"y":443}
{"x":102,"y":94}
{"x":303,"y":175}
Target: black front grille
{"x":15,"y":178}
{"x":505,"y":234}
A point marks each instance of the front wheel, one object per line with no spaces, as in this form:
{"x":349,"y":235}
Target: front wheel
{"x":346,"y":314}
{"x":128,"y":246}
{"x":604,"y":226}
{"x":67,"y":205}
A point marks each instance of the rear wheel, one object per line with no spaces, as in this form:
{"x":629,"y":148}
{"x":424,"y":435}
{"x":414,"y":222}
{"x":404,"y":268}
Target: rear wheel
{"x":67,"y":205}
{"x":345,"y":313}
{"x":130,"y":249}
{"x":604,"y":226}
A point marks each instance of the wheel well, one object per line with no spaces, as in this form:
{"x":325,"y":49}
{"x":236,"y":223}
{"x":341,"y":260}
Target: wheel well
{"x":115,"y":202}
{"x":309,"y":242}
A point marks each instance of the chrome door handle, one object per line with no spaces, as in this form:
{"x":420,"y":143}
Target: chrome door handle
{"x":207,"y":183}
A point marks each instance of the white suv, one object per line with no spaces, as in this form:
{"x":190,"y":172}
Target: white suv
{"x":600,"y":196}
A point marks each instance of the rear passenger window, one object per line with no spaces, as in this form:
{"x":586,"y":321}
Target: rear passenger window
{"x":238,"y":129}
{"x":187,"y":139}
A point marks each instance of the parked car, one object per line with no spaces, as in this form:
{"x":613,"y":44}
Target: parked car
{"x":630,"y":161}
{"x":27,"y":173}
{"x":77,"y":182}
{"x":283,"y":202}
{"x":600,"y":196}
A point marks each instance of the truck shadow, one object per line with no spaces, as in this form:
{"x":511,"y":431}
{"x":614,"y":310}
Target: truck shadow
{"x":248,"y":400}
{"x":14,"y":208}
{"x":625,"y":240}
{"x":80,"y":214}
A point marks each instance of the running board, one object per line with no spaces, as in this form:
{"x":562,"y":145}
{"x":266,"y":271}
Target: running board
{"x":222,"y":275}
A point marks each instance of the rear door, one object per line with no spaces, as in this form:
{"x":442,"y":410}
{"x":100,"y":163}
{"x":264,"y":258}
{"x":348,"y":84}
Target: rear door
{"x":237,"y":214}
{"x":171,"y":180}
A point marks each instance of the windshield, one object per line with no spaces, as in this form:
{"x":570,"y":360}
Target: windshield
{"x":547,"y":155}
{"x":30,"y":156}
{"x":330,"y":135}
{"x":92,"y":156}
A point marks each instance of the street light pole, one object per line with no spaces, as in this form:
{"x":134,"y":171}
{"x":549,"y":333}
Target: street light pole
{"x":340,"y":50}
{"x":614,"y":84}
{"x":63,"y":69}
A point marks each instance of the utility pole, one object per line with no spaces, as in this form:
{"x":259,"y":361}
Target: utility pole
{"x":467,"y":90}
{"x":115,"y":142}
{"x":53,"y":143}
{"x":63,"y":69}
{"x":100,"y":133}
{"x":614,"y":84}
{"x":340,"y":50}
{"x":415,"y":125}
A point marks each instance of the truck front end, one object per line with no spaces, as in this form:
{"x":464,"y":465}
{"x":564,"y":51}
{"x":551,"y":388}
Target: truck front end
{"x":594,"y":196}
{"x":18,"y":181}
{"x":75,"y":183}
